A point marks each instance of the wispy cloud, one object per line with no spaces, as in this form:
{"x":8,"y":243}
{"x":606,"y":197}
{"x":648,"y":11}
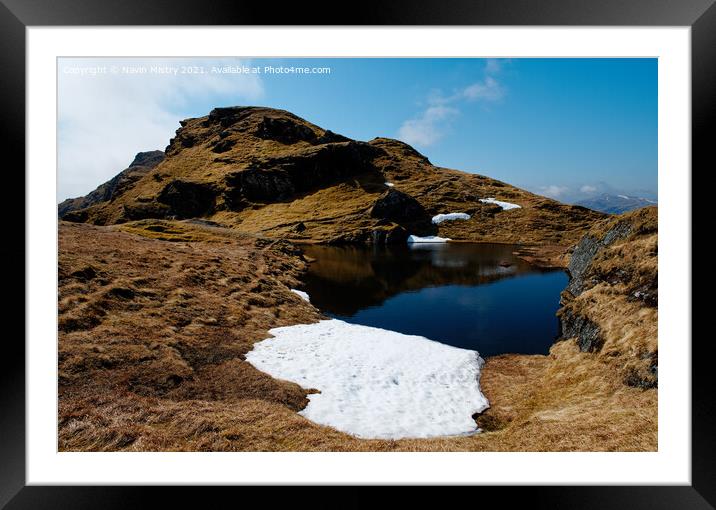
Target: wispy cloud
{"x":428,"y":127}
{"x":488,"y":89}
{"x":431,"y":124}
{"x":587,"y":188}
{"x":493,"y":66}
{"x":554,"y":191}
{"x":105,"y":119}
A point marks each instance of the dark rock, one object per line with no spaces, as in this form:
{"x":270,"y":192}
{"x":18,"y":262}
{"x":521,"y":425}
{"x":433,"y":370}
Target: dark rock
{"x":378,"y":236}
{"x":79,"y":216}
{"x":645,"y":379}
{"x":586,"y":332}
{"x":143,"y":210}
{"x":229,"y":115}
{"x":282,"y":178}
{"x":188,"y":199}
{"x":648,"y":293}
{"x":148,"y":159}
{"x":284,"y":130}
{"x":223,"y":145}
{"x":187,"y":141}
{"x":397,"y":206}
{"x":489,"y":210}
{"x":584,"y":253}
{"x":330,"y":137}
{"x":300,"y":227}
{"x":256,"y":184}
{"x":392,"y":235}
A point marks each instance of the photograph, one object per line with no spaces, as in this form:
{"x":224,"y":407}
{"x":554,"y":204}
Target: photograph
{"x":303,"y":254}
{"x":419,"y":246}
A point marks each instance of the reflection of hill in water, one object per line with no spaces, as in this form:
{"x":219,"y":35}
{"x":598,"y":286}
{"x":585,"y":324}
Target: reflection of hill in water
{"x":345,"y":279}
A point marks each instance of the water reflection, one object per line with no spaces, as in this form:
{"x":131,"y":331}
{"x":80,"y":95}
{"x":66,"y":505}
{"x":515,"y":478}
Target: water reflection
{"x":477,"y":296}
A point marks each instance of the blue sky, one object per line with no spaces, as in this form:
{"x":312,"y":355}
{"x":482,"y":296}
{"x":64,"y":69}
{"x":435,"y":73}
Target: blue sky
{"x":567,"y":128}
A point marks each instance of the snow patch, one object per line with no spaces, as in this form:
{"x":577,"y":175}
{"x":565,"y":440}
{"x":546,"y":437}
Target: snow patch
{"x":439,"y":218}
{"x":428,"y":239}
{"x":506,"y":206}
{"x":304,"y":295}
{"x":389,"y":184}
{"x":376,"y":383}
{"x":623,"y":196}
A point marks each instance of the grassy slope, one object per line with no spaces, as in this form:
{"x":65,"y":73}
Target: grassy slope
{"x":153,"y":330}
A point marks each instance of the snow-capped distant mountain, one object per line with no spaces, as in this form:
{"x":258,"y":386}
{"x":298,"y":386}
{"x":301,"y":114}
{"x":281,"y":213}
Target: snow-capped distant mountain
{"x":615,"y":204}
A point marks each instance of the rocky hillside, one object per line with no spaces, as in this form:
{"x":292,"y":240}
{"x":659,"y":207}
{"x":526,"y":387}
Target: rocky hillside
{"x":139,"y":167}
{"x":610,"y":305}
{"x":271,"y":173}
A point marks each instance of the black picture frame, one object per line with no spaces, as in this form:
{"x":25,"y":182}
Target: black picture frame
{"x":16,"y":15}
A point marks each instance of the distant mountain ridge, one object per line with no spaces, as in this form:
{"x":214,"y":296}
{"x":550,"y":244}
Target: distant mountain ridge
{"x":615,"y":204}
{"x":143,"y":162}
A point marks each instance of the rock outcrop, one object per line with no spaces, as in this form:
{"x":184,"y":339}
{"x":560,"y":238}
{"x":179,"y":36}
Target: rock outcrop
{"x":140,"y":166}
{"x":610,"y":304}
{"x":584,"y":253}
{"x":587,"y":334}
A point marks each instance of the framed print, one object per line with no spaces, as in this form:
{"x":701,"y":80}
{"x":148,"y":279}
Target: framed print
{"x":423,"y":246}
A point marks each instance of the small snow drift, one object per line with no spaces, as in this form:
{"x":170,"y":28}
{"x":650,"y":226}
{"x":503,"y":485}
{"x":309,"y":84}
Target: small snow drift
{"x":376,"y":383}
{"x":439,"y":218}
{"x":303,"y":295}
{"x":428,"y":239}
{"x":389,"y":184}
{"x":506,"y":206}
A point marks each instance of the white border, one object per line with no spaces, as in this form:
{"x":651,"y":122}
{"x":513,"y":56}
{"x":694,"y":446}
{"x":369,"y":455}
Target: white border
{"x":670,"y":465}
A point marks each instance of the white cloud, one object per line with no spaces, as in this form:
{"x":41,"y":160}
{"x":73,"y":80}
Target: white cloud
{"x":428,"y":128}
{"x":588,"y":189}
{"x":554,"y":191}
{"x":105,"y":119}
{"x":488,"y":90}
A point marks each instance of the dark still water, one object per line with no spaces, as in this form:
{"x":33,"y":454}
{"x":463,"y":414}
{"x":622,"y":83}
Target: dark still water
{"x":475,"y":296}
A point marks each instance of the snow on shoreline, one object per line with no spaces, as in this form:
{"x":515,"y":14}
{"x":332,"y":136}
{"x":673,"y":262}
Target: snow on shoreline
{"x":304,"y":295}
{"x":428,"y":239}
{"x":506,"y":206}
{"x":439,"y":218}
{"x":376,"y":383}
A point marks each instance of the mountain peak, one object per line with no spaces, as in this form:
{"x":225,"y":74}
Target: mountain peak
{"x":269,"y":172}
{"x":225,"y":127}
{"x":149,"y":158}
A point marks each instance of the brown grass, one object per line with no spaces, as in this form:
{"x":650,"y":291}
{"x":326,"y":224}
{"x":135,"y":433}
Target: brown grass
{"x":153,"y":334}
